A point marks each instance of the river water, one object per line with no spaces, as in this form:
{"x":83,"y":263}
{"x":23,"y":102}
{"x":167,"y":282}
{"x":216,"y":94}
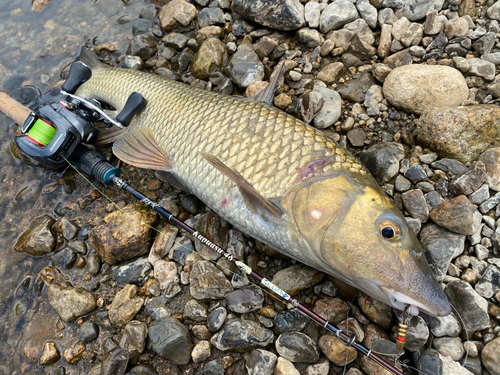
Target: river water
{"x":34,"y":50}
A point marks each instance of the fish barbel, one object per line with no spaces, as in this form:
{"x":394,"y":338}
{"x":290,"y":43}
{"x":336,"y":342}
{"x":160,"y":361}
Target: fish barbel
{"x":274,"y":178}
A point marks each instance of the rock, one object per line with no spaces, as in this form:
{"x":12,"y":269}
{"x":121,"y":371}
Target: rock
{"x":355,"y":89}
{"x":413,"y":33}
{"x":456,"y":28}
{"x":276,"y":14}
{"x":66,"y":228}
{"x":165,"y":273}
{"x":242,"y":335}
{"x":212,"y":56}
{"x":382,"y":160}
{"x":121,"y":235}
{"x":310,"y":104}
{"x":416,"y":173}
{"x":491,"y":160}
{"x":73,"y":354}
{"x":489,"y":283}
{"x":490,"y":203}
{"x":285,"y":367}
{"x":360,"y":28}
{"x":312,"y":14}
{"x":376,"y":311}
{"x":245,"y":67}
{"x":88,"y":332}
{"x":491,"y":356}
{"x":494,"y":11}
{"x":472,"y":307}
{"x":64,"y":259}
{"x":245,"y":300}
{"x":37,"y":240}
{"x":210,"y":16}
{"x":450,"y":131}
{"x":297,"y":347}
{"x":480,"y":195}
{"x":469,"y":181}
{"x":216,"y":230}
{"x":449,"y":346}
{"x":143,"y":46}
{"x":261,"y":361}
{"x":443,"y":326}
{"x":384,"y":44}
{"x":331,"y":73}
{"x":330,"y":111}
{"x":402,"y":184}
{"x":337,"y":14}
{"x":415,"y":10}
{"x":216,"y":319}
{"x":440,"y":247}
{"x":175,"y":14}
{"x":320,"y":368}
{"x":461,"y":64}
{"x":311,"y":38}
{"x":360,"y":48}
{"x":70,"y":303}
{"x":485,"y":44}
{"x":458,"y":215}
{"x":397,"y":59}
{"x":125,"y":305}
{"x":368,"y":12}
{"x":434,"y":24}
{"x":493,"y":58}
{"x":201,"y":351}
{"x":297,"y":278}
{"x":336,"y":351}
{"x":381,"y":71}
{"x":354,"y":327}
{"x":429,"y":361}
{"x":386,"y":16}
{"x":171,"y":340}
{"x":332,"y":309}
{"x":482,"y":68}
{"x":413,"y":88}
{"x":135,"y":272}
{"x":175,"y":40}
{"x":451,"y":367}
{"x":50,"y":354}
{"x":417,"y":335}
{"x":114,"y":362}
{"x":208,"y":282}
{"x":290,"y":320}
{"x":449,"y":165}
{"x":415,"y":204}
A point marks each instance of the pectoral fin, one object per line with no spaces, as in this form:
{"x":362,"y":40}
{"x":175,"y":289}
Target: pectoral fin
{"x":169,"y":178}
{"x":140,"y":149}
{"x":109,"y":135}
{"x":254,"y":200}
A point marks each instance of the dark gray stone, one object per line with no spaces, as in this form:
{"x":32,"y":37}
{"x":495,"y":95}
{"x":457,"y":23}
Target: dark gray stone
{"x":88,"y":332}
{"x":171,"y":340}
{"x":382,"y":160}
{"x":216,"y":319}
{"x":180,"y":64}
{"x":135,"y":272}
{"x":115,"y":362}
{"x":290,"y":320}
{"x":485,"y":44}
{"x":245,"y":67}
{"x":276,"y":14}
{"x":470,"y":180}
{"x":213,"y":368}
{"x":415,"y":10}
{"x":175,"y":40}
{"x":449,"y":165}
{"x":337,"y":14}
{"x":144,"y":46}
{"x":242,"y":335}
{"x":416,"y":173}
{"x":261,"y":362}
{"x":64,"y":259}
{"x":480,"y":195}
{"x":146,"y":369}
{"x":245,"y":300}
{"x":430,"y":363}
{"x":489,"y":283}
{"x":297,"y":347}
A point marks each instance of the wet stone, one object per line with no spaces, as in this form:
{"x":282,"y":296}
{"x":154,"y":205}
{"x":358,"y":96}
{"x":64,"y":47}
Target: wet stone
{"x":88,"y":332}
{"x":38,"y":239}
{"x":382,"y":160}
{"x":102,"y":320}
{"x":67,"y":228}
{"x":175,"y":14}
{"x":64,"y":259}
{"x":376,"y":311}
{"x":261,"y":362}
{"x":141,"y":26}
{"x":216,"y":319}
{"x":472,"y":307}
{"x":73,"y":354}
{"x":50,"y":354}
{"x":491,"y":356}
{"x":489,"y":283}
{"x":415,"y":204}
{"x":458,"y":215}
{"x":143,"y":46}
{"x":171,"y":340}
{"x":212,"y":56}
{"x":332,"y":309}
{"x":125,"y":305}
{"x":135,"y":272}
{"x":297,"y":278}
{"x":114,"y":362}
{"x":290,"y":320}
{"x":440,"y":247}
{"x":70,"y":303}
{"x":245,"y":300}
{"x":242,"y":335}
{"x":443,"y":326}
{"x":208,"y":282}
{"x":449,"y":346}
{"x":93,"y":264}
{"x":297,"y":347}
{"x":195,"y":311}
{"x":176,"y":41}
{"x":336,"y":351}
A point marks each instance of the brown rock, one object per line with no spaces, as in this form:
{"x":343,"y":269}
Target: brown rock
{"x":416,"y":204}
{"x":208,"y":282}
{"x":125,"y":305}
{"x":354,"y":90}
{"x":381,"y":71}
{"x":373,"y":333}
{"x":282,"y":101}
{"x":414,"y":87}
{"x":376,"y":311}
{"x":207,"y":32}
{"x":336,"y":351}
{"x":491,"y":160}
{"x":332,"y":309}
{"x":37,"y":240}
{"x":74,"y":354}
{"x":176,"y":13}
{"x":211,"y":57}
{"x":396,"y":59}
{"x":122,"y":234}
{"x":50,"y":354}
{"x":467,"y":7}
{"x":384,"y":44}
{"x":331,"y":73}
{"x":70,"y":303}
{"x":285,"y":367}
{"x":38,"y":5}
{"x":297,"y":278}
{"x":457,"y":215}
{"x":491,"y":356}
{"x":461,"y":133}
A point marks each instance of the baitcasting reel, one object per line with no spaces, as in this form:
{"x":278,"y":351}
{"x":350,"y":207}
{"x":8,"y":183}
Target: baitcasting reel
{"x":55,"y":133}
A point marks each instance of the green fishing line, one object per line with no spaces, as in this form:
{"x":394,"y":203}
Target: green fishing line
{"x":42,"y":132}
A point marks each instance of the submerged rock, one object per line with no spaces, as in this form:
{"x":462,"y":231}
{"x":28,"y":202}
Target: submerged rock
{"x":71,"y":303}
{"x":416,"y":88}
{"x":125,"y":305}
{"x":38,"y":239}
{"x":462,"y":133}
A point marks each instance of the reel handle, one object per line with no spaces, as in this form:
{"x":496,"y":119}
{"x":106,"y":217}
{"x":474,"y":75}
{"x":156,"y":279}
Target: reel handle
{"x":78,"y":74}
{"x":13,"y":109}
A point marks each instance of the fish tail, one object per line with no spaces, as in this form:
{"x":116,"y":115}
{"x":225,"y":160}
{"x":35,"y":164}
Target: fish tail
{"x":89,"y":58}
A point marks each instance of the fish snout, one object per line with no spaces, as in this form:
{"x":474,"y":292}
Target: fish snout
{"x":434,"y":304}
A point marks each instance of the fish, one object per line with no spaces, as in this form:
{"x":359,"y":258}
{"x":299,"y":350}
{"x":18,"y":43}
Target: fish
{"x":274,"y":178}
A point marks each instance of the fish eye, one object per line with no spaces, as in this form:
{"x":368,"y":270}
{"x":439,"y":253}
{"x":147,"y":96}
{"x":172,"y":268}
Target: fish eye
{"x":389,"y":228}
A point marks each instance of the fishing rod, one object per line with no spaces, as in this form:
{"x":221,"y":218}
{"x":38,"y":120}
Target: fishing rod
{"x":54,"y":135}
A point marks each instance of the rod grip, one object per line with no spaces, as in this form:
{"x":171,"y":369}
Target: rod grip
{"x":12,"y":108}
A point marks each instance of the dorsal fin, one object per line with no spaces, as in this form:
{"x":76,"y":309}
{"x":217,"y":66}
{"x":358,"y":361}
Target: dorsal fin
{"x":266,"y":95}
{"x":140,"y":149}
{"x":254,"y":200}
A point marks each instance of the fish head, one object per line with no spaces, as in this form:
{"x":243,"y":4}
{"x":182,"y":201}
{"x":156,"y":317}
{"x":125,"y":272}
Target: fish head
{"x":359,"y":236}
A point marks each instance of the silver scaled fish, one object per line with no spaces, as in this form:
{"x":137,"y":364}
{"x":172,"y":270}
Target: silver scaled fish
{"x":274,"y":178}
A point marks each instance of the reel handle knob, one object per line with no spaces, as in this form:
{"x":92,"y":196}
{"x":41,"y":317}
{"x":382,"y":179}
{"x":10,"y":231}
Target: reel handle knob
{"x":78,"y":74}
{"x":134,"y":104}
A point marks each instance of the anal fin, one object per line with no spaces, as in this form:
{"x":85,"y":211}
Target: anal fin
{"x":140,"y":149}
{"x":253,"y":199}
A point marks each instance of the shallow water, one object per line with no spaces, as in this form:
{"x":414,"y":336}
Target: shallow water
{"x":35,"y":49}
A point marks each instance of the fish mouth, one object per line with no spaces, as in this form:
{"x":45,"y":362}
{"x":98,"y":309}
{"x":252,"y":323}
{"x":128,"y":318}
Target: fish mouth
{"x":401,"y":301}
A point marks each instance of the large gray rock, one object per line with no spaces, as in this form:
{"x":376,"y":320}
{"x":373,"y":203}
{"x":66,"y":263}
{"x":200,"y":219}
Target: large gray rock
{"x":171,"y":340}
{"x":383,"y":160}
{"x":415,"y":10}
{"x":242,"y":335}
{"x":416,"y":88}
{"x":276,"y":14}
{"x":336,"y":15}
{"x":331,"y":110}
{"x":245,"y":67}
{"x":297,"y":347}
{"x":261,"y":361}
